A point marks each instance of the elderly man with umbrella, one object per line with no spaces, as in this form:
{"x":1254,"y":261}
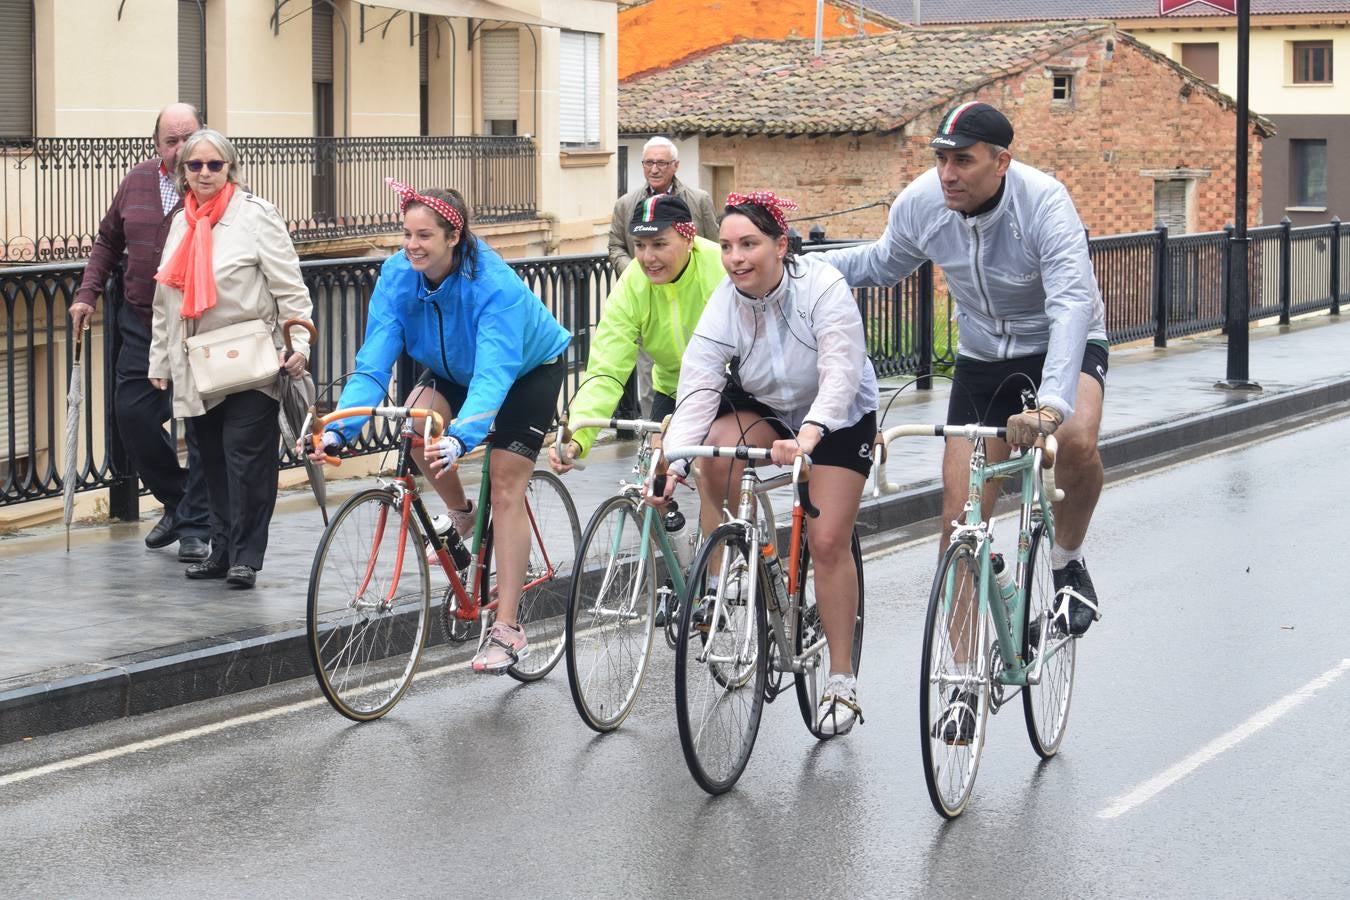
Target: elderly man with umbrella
{"x":137,"y":224}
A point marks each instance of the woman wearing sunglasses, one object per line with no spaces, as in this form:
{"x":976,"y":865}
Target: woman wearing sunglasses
{"x":228,"y":259}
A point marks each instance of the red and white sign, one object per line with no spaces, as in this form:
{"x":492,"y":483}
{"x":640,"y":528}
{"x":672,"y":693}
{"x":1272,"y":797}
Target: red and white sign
{"x":1166,"y":7}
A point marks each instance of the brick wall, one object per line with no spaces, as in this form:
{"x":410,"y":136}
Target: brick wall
{"x":1131,"y":112}
{"x":656,"y":34}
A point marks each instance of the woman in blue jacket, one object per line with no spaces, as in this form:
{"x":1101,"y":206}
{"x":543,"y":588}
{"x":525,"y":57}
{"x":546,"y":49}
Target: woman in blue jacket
{"x":492,"y":352}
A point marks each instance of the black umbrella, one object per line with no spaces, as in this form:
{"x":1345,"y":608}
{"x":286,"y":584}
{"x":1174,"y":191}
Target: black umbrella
{"x":297,"y":395}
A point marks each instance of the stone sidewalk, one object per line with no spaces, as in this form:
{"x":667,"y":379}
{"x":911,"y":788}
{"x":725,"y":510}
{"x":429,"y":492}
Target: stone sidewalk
{"x":112,"y":629}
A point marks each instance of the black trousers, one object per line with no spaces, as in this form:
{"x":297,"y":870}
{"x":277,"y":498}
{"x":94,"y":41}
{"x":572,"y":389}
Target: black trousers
{"x":238,"y":441}
{"x":142,"y":409}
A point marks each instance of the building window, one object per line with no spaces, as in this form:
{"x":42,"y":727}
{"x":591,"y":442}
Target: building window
{"x":1169,"y":205}
{"x":192,"y":54}
{"x":1309,"y":173}
{"x":1203,"y":60}
{"x":16,"y":68}
{"x":1062,"y":87}
{"x":579,"y":89}
{"x":1312,"y":62}
{"x":501,"y":81}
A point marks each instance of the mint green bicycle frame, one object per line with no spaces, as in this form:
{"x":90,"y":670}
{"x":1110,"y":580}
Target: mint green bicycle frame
{"x":1037,"y":492}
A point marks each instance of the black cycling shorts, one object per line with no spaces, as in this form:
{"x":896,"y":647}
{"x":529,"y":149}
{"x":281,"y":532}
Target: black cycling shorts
{"x":989,"y":393}
{"x":525,"y":415}
{"x":662,"y":405}
{"x":847,"y":448}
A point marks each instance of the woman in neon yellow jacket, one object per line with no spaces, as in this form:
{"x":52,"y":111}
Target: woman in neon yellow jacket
{"x":658,"y":300}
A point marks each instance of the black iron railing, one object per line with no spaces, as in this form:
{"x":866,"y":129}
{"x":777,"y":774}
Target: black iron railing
{"x":54,"y":191}
{"x":1153,"y":286}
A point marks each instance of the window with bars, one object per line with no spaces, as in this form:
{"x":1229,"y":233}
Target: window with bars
{"x":579,"y":90}
{"x":1312,"y":62}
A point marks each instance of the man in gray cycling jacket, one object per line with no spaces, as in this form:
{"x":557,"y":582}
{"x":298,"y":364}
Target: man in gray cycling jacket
{"x":1030,"y":317}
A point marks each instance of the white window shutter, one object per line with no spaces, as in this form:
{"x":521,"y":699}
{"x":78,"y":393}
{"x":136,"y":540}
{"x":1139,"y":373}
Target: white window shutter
{"x":579,"y":88}
{"x":1169,"y":204}
{"x":593,"y":89}
{"x":501,"y":74}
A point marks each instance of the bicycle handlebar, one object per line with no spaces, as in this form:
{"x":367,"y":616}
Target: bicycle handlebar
{"x":314,"y":423}
{"x":566,"y":429}
{"x":970,"y":433}
{"x":801,"y":466}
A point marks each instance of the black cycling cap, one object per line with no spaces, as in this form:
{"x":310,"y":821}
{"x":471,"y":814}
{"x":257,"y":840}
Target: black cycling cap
{"x":970,"y":123}
{"x":658,"y":212}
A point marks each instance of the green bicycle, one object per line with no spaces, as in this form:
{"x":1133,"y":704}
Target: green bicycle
{"x":991,"y":632}
{"x":611,"y":609}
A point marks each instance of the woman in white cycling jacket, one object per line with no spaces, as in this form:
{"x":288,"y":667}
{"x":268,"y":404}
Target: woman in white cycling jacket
{"x":789,"y":333}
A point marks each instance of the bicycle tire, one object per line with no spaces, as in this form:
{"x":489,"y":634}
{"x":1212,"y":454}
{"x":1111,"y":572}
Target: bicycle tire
{"x":811,"y":684}
{"x":718,"y":704}
{"x":610,"y":615}
{"x":554,"y":539}
{"x":949,"y":769}
{"x":365,"y":651}
{"x":1045,"y":705}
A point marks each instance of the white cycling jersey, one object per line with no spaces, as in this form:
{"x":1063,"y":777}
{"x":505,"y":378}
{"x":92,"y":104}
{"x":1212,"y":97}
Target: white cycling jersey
{"x":800,"y":350}
{"x":1020,"y":274}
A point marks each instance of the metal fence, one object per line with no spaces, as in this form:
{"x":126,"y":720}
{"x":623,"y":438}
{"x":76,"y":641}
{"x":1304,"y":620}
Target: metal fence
{"x":1153,"y":286}
{"x":54,"y":191}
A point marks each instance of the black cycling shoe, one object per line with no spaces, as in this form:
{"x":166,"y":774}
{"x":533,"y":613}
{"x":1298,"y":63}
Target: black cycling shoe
{"x":957,"y":725}
{"x":1073,"y":583}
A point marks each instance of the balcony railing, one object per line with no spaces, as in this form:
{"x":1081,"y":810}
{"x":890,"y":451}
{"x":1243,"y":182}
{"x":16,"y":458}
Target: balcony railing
{"x":1153,"y":286}
{"x":54,"y":191}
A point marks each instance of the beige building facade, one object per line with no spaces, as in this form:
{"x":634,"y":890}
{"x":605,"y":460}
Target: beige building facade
{"x":541,"y":72}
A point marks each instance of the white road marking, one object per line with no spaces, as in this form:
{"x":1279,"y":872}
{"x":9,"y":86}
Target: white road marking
{"x":1272,"y":713}
{"x":89,"y":759}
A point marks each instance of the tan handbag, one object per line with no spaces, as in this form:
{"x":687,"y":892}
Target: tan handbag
{"x":238,"y":357}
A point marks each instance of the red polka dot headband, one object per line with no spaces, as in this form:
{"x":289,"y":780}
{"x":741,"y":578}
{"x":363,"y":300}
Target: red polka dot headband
{"x":767,"y":199}
{"x":410,"y":196}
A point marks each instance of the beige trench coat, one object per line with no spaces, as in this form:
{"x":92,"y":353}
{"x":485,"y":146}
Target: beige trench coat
{"x":257,"y":277}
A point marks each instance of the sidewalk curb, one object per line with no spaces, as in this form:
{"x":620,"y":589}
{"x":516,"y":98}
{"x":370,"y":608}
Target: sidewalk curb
{"x":75,"y":696}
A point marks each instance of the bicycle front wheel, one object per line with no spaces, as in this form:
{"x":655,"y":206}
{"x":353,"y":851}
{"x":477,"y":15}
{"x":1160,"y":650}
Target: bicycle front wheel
{"x":721,"y":662}
{"x":810,"y":633}
{"x":1045,"y":704}
{"x":368,"y":606}
{"x":610,"y":616}
{"x":555,"y":535}
{"x":954,"y":681}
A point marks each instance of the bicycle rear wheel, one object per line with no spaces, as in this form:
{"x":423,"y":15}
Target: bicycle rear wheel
{"x":811,"y":682}
{"x":555,"y":535}
{"x":1046,"y":704}
{"x":610,"y":615}
{"x":720,"y":665}
{"x":368,"y":605}
{"x":954,"y":697}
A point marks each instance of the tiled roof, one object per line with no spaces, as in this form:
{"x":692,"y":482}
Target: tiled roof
{"x":937,"y":12}
{"x":857,"y":85}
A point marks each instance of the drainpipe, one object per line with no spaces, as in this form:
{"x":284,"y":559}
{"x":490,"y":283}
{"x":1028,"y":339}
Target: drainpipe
{"x":918,"y":12}
{"x":820,"y":23}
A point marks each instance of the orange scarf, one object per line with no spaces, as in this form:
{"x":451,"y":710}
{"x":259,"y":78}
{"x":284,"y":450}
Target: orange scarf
{"x":190,"y":269}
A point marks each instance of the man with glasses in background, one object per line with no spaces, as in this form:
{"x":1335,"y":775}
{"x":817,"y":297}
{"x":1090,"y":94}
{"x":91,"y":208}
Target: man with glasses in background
{"x":137,"y":224}
{"x":660,"y":162}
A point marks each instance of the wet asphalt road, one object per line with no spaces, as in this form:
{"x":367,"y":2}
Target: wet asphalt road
{"x":1223,"y":607}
